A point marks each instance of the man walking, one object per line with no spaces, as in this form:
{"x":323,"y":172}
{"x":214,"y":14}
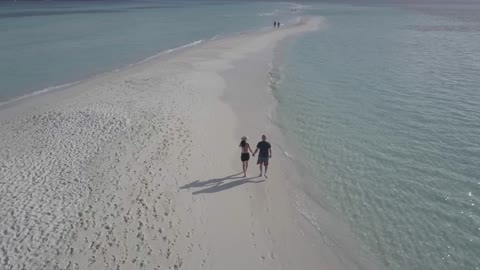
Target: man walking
{"x":265,"y":153}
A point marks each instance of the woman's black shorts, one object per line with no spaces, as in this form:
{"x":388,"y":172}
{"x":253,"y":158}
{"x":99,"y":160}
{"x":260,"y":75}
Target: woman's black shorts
{"x":245,"y":157}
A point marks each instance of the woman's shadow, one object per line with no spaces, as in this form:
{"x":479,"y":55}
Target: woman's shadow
{"x":219,"y":184}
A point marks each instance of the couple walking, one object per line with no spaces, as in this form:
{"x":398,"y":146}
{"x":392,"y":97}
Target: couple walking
{"x":265,"y":153}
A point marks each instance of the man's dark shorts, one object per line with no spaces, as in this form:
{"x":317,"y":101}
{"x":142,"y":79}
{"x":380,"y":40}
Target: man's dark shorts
{"x":262,"y":160}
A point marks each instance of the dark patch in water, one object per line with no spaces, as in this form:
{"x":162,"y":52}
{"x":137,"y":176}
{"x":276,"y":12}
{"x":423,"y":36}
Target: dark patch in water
{"x":58,"y":12}
{"x":69,"y":12}
{"x":446,"y":28}
{"x":157,"y":7}
{"x":468,"y":13}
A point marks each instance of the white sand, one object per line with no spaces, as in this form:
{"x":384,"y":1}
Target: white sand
{"x":140,"y":169}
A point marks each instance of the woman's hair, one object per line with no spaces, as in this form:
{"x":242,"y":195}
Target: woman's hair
{"x":243,"y":143}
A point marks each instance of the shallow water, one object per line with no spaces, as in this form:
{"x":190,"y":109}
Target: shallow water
{"x":384,"y":107}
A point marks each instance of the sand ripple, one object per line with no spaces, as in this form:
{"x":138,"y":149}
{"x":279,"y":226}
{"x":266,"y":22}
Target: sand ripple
{"x":83,"y":177}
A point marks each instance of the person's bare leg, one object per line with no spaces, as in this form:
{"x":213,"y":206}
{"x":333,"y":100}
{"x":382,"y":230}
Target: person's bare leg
{"x":244,"y":169}
{"x":261,"y":169}
{"x":266,"y":168}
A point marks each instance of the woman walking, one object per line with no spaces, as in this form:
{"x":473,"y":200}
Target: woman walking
{"x":245,"y":156}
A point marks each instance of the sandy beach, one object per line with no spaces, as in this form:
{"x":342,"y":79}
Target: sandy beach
{"x":140,"y":169}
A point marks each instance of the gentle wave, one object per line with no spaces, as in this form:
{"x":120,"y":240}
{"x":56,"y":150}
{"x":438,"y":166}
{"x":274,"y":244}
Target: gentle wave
{"x":287,"y":155}
{"x":36,"y":93}
{"x":275,"y":12}
{"x":168,"y":51}
{"x":300,"y":6}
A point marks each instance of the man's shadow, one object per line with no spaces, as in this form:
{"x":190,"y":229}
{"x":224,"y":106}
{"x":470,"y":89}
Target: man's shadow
{"x":219,"y":184}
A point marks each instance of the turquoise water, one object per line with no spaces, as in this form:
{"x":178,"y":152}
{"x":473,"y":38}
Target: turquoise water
{"x":45,"y":44}
{"x":384,"y":106}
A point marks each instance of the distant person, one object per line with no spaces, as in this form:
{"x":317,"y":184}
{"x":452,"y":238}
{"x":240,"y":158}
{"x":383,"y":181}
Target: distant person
{"x":274,"y":24}
{"x":265,"y":153}
{"x":278,"y":24}
{"x":245,"y":155}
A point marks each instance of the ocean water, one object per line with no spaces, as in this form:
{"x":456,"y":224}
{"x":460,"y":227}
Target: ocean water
{"x":384,"y":107}
{"x":46,"y":44}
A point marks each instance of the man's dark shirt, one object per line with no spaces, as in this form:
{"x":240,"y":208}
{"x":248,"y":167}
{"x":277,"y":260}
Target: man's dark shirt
{"x":263,"y":146}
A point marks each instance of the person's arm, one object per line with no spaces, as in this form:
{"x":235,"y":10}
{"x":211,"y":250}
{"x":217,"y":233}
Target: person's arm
{"x":255,"y":152}
{"x":250,"y":149}
{"x":270,"y":150}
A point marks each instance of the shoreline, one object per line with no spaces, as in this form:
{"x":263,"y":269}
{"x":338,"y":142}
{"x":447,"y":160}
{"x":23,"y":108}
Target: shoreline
{"x":138,"y":169}
{"x":165,"y":53}
{"x":336,"y":244}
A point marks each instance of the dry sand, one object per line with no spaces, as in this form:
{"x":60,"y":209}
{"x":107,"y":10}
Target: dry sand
{"x":140,"y":169}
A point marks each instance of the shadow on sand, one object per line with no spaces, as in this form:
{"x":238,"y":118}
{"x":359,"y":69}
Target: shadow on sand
{"x":219,"y":184}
